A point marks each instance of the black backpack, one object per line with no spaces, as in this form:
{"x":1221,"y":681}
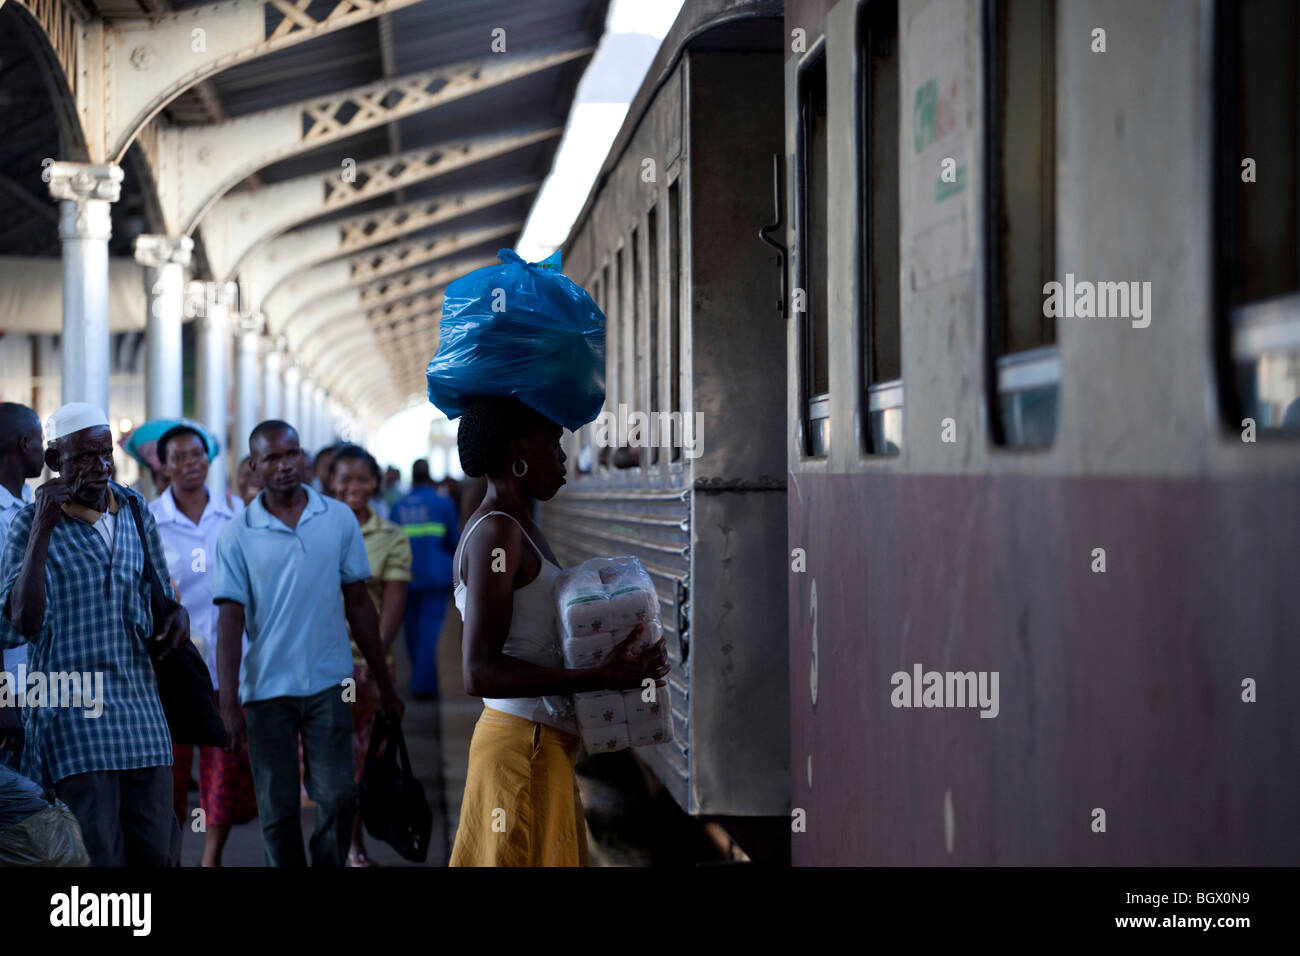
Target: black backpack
{"x":393,"y":805}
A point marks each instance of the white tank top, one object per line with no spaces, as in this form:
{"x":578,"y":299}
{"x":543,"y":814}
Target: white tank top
{"x":533,"y":635}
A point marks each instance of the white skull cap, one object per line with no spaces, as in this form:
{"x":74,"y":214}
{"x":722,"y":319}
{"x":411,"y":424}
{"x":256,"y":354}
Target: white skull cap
{"x":73,"y":417}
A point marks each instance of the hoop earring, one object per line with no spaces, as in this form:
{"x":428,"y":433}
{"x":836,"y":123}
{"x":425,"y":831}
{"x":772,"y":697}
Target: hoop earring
{"x":519,"y":474}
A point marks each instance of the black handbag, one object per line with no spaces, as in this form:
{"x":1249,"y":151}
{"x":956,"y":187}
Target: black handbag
{"x":184,"y":684}
{"x":393,"y":805}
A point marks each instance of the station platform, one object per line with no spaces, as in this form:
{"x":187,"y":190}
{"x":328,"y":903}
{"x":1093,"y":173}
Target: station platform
{"x":628,"y":823}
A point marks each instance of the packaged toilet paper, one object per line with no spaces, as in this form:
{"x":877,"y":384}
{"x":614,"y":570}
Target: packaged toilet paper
{"x":650,"y":636}
{"x":605,"y":709}
{"x":588,"y":651}
{"x":638,"y":708}
{"x":650,"y":733}
{"x":630,"y":606}
{"x":600,"y":740}
{"x":600,"y":603}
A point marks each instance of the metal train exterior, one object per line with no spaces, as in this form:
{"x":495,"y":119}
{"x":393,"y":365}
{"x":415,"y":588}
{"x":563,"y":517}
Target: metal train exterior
{"x":1072,"y":502}
{"x":1146,"y":712}
{"x":667,"y":244}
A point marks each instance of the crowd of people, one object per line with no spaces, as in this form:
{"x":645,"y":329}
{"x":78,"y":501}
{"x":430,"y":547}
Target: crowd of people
{"x":250,"y":572}
{"x":292,"y":590}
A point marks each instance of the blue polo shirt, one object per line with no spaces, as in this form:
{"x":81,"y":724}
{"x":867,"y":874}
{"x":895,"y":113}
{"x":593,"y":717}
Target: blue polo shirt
{"x":290,"y":582}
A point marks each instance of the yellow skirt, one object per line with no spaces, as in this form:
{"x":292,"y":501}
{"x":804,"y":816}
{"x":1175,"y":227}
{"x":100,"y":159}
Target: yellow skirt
{"x":521,"y":805}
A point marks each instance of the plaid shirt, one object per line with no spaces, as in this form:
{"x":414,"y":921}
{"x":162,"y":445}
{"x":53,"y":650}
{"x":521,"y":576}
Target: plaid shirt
{"x":97,"y":620}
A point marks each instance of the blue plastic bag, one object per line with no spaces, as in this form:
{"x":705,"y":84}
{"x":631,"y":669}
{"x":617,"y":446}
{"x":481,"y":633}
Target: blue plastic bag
{"x":524,"y":330}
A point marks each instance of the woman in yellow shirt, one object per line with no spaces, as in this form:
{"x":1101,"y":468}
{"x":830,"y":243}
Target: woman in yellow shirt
{"x":353,"y":479}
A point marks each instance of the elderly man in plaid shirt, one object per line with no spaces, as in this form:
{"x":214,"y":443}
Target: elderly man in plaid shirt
{"x":72,"y":587}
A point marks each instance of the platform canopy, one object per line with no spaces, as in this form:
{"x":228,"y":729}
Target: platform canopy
{"x":341,"y":160}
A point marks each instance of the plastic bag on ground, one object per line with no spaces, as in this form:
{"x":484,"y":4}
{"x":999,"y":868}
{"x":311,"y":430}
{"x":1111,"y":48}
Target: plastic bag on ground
{"x":521,"y":330}
{"x":35,"y":831}
{"x":19,"y":797}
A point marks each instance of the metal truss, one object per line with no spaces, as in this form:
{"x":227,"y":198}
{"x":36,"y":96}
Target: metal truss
{"x":129,"y":68}
{"x":299,"y":249}
{"x":310,"y":290}
{"x":198,"y":164}
{"x":240,"y":222}
{"x":367,"y":300}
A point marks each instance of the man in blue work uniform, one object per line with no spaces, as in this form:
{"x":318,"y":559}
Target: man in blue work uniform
{"x":429,"y":520}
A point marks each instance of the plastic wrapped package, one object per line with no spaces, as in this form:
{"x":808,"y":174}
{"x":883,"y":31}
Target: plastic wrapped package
{"x":631,"y":606}
{"x":650,"y":636}
{"x":20,"y":797}
{"x":585,"y":616}
{"x":521,"y":330}
{"x":34,"y":830}
{"x":600,"y":604}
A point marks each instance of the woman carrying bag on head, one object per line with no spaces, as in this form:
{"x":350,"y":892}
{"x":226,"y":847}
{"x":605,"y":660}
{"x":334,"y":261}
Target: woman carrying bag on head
{"x":521,"y":356}
{"x":521,"y":804}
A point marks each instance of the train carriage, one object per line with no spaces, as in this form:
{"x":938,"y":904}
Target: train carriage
{"x":1090,"y":493}
{"x":667,"y":243}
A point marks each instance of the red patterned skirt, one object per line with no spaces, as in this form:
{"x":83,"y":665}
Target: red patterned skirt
{"x":225,"y":785}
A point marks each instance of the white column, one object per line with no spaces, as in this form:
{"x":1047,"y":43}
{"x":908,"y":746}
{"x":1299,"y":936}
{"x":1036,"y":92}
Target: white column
{"x":307,"y":414}
{"x":211,"y":383}
{"x":164,"y":259}
{"x":85,"y":192}
{"x":247,"y":383}
{"x":321,"y":419}
{"x":272,"y":386}
{"x":292,"y":376}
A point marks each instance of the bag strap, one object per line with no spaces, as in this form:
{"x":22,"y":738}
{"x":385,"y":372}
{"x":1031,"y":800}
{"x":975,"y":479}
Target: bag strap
{"x":404,"y":760}
{"x":150,"y":572}
{"x":376,"y":741}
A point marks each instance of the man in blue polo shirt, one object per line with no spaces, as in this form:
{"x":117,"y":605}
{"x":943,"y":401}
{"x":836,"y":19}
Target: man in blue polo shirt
{"x":280,"y":567}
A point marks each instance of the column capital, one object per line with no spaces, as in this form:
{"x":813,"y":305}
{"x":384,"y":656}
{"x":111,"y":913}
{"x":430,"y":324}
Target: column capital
{"x":81,"y":182}
{"x":154,"y":252}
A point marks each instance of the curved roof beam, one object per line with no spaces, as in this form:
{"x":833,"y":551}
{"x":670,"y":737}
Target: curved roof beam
{"x":300,"y":249}
{"x":310,"y":290}
{"x":343,"y":340}
{"x":364,"y":381}
{"x":138,"y":65}
{"x":369,"y":299}
{"x":240,"y":222}
{"x":199,"y":164}
{"x":354,"y":382}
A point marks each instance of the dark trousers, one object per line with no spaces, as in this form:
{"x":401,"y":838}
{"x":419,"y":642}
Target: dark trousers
{"x":126,"y":816}
{"x":425,"y":610}
{"x":324,"y":722}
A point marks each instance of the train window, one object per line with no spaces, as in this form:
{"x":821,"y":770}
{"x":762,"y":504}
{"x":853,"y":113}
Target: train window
{"x":652,"y":319}
{"x":617,"y":299}
{"x":673,"y":367}
{"x":582,"y":438}
{"x":812,"y":199}
{"x":1021,"y":220}
{"x":637,"y":401}
{"x":610,"y":308}
{"x":1258,"y":279}
{"x":878,"y":186}
{"x":625,"y":297}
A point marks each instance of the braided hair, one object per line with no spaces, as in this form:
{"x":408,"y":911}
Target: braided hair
{"x":487,"y":426}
